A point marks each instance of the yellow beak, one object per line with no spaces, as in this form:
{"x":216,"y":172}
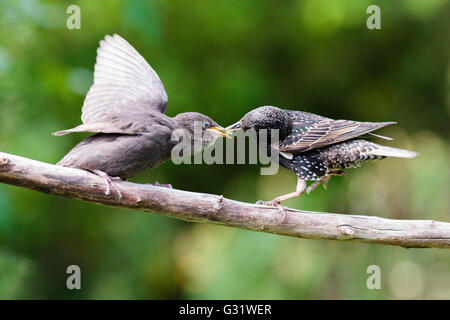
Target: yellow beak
{"x":219,"y":131}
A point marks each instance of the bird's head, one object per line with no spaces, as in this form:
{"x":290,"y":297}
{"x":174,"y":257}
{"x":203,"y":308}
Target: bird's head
{"x":266,"y":117}
{"x":201,"y":128}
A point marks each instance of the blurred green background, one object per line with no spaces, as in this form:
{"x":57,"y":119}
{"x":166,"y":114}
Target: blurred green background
{"x":223,"y":58}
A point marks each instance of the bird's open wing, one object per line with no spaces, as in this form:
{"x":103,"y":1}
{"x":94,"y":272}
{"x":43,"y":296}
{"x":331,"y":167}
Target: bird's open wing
{"x":124,"y":85}
{"x":311,"y":131}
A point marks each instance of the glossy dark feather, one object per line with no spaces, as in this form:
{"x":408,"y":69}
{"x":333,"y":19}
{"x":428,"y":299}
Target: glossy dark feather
{"x":314,"y":164}
{"x":311,"y":131}
{"x":316,"y":147}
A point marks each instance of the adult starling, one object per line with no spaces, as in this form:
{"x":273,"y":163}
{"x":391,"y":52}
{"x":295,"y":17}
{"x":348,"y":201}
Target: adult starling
{"x":125,"y":108}
{"x":316,"y":147}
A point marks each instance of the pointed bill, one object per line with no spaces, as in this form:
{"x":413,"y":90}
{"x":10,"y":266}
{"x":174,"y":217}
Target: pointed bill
{"x":219,"y":131}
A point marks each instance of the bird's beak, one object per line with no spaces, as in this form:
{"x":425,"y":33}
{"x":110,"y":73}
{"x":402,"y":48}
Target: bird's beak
{"x":218,"y":131}
{"x":230,"y":129}
{"x":233,"y":127}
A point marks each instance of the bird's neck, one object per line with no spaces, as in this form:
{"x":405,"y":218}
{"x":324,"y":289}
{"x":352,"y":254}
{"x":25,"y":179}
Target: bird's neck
{"x":286,"y":128}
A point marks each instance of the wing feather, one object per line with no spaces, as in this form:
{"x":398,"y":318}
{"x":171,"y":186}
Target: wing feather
{"x":124,"y":86}
{"x":312,"y":131}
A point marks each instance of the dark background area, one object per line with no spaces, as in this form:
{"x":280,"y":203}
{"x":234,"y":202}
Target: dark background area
{"x":224,"y":58}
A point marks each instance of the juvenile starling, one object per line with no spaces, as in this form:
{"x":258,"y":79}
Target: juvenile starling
{"x":316,"y":147}
{"x":125,"y":108}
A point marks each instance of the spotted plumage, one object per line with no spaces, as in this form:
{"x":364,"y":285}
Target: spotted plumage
{"x":316,"y":147}
{"x":314,"y":164}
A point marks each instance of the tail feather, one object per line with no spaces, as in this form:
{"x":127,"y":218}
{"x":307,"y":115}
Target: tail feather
{"x":380,"y":136}
{"x":126,"y":127}
{"x":63,"y":132}
{"x":91,"y":127}
{"x":379,"y":125}
{"x":393,"y":152}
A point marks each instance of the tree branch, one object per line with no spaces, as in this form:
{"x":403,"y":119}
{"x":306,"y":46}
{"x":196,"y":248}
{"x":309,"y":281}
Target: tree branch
{"x":200,"y":207}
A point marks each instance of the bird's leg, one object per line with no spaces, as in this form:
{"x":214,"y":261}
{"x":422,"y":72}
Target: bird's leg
{"x":301,"y":186}
{"x":323,"y":180}
{"x":109,"y":182}
{"x":339,"y":173}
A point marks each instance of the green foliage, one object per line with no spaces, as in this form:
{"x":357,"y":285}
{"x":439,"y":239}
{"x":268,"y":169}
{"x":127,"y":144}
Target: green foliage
{"x":223,"y":58}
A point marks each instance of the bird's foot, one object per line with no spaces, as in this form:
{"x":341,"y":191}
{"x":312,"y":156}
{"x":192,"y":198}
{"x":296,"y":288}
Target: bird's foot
{"x":157,"y":184}
{"x":265,"y":203}
{"x":109,"y":183}
{"x":276,"y":204}
{"x":282,"y":211}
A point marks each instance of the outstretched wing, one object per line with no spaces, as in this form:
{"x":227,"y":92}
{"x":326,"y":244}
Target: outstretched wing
{"x":124,"y":85}
{"x":312,"y":131}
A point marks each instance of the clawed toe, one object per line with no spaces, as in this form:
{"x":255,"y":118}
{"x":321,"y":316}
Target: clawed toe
{"x":281,"y":209}
{"x":109,"y":182}
{"x":265,"y":203}
{"x":274,"y":204}
{"x":116,"y":188}
{"x":119,"y":193}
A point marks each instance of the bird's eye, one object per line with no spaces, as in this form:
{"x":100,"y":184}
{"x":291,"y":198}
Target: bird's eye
{"x":206,"y":124}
